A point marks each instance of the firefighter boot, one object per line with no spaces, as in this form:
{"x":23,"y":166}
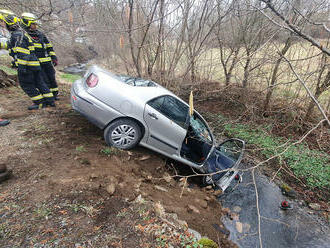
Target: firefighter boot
{"x":50,"y":104}
{"x":4,"y":122}
{"x":35,"y":106}
{"x":55,"y":93}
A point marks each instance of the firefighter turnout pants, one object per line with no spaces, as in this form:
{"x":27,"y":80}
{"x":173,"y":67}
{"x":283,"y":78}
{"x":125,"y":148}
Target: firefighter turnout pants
{"x":34,"y":86}
{"x":48,"y":72}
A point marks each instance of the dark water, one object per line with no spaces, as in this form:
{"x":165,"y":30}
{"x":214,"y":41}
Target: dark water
{"x":279,"y":228}
{"x":77,"y":69}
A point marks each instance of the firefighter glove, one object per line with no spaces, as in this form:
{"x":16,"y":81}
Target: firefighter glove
{"x":55,"y":62}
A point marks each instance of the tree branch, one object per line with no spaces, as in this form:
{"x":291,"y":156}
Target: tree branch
{"x":295,"y":29}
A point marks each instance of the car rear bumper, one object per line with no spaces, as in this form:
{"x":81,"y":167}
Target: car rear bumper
{"x":91,"y":108}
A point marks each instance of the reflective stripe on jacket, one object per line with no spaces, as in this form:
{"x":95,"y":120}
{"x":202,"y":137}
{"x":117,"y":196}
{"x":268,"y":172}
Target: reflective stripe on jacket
{"x":22,"y":50}
{"x":43,"y":48}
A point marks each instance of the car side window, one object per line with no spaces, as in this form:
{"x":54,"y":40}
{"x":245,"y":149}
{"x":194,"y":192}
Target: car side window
{"x":157,"y":103}
{"x":172,"y":108}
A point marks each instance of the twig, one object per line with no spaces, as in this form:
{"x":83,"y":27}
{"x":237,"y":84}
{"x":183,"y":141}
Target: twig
{"x":271,"y":219}
{"x":308,"y":90}
{"x":185,"y":182}
{"x":257,"y":206}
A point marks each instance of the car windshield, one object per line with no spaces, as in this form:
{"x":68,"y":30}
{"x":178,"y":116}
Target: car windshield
{"x":200,"y":129}
{"x":136,"y":81}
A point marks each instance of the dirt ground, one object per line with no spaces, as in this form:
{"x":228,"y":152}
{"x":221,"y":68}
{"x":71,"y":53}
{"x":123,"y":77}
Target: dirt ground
{"x":70,"y":190}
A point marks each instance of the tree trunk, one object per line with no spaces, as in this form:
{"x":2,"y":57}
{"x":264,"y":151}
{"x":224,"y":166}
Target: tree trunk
{"x":288,"y":43}
{"x":131,"y":41}
{"x":231,"y":68}
{"x":311,"y":105}
{"x":246,"y":71}
{"x":319,"y":90}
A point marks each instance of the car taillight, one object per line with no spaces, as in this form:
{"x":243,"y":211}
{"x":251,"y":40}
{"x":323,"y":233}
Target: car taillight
{"x":92,"y":80}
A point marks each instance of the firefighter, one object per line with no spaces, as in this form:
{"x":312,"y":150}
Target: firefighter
{"x":29,"y":70}
{"x":43,"y":49}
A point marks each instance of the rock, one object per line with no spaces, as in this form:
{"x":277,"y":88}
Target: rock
{"x":217,"y":192}
{"x":234,"y":216}
{"x":287,"y":190}
{"x":191,"y":208}
{"x":84,"y":161}
{"x":181,"y":184}
{"x":167,"y":178}
{"x":246,"y":227}
{"x":201,"y":203}
{"x":172,"y":216}
{"x":160,"y":188}
{"x":314,"y":206}
{"x":221,"y":229}
{"x":139,"y":199}
{"x":144,"y":158}
{"x":159,"y":209}
{"x":137,"y":186}
{"x":207,"y":198}
{"x":196,"y":234}
{"x":113,"y":180}
{"x":111,"y":188}
{"x":239,"y":227}
{"x":209,"y":187}
{"x":226,"y":211}
{"x":93,"y":176}
{"x":145,"y":194}
{"x":237,"y":209}
{"x":172,"y":209}
{"x":204,"y":204}
{"x":183,"y":224}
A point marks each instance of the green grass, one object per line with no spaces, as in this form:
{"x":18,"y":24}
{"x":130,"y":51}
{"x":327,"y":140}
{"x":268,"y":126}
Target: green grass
{"x":70,"y":77}
{"x":80,"y":149}
{"x":108,"y":151}
{"x":311,"y":165}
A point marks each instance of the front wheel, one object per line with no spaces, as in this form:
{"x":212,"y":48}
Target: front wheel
{"x":123,"y":134}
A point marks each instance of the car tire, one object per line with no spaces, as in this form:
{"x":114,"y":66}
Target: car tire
{"x":123,"y":134}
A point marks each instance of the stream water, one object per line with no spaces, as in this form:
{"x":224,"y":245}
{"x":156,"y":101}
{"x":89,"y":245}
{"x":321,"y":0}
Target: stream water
{"x":297,"y":227}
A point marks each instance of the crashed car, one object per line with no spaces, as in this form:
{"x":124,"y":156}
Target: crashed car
{"x":134,"y":111}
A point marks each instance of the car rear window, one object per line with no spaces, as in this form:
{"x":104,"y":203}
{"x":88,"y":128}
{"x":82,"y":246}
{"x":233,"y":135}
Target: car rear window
{"x":136,"y":81}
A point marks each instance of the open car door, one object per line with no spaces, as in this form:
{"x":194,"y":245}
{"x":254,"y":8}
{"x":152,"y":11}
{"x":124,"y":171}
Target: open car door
{"x":222,"y":165}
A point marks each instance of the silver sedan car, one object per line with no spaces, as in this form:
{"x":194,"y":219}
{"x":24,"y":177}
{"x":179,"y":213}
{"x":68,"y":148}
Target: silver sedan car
{"x":134,"y":111}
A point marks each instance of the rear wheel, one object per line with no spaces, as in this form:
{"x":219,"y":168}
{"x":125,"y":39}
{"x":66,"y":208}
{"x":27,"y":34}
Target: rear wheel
{"x":123,"y":134}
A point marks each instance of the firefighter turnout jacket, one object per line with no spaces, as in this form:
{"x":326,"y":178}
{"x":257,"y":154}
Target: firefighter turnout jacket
{"x":45,"y":54}
{"x":29,"y":70}
{"x":43,"y":48}
{"x":22,"y":50}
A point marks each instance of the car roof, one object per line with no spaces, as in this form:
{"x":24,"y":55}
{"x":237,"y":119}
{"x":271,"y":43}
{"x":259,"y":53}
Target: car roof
{"x":143,"y":93}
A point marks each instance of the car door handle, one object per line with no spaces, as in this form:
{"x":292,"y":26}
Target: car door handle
{"x":153,"y":116}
